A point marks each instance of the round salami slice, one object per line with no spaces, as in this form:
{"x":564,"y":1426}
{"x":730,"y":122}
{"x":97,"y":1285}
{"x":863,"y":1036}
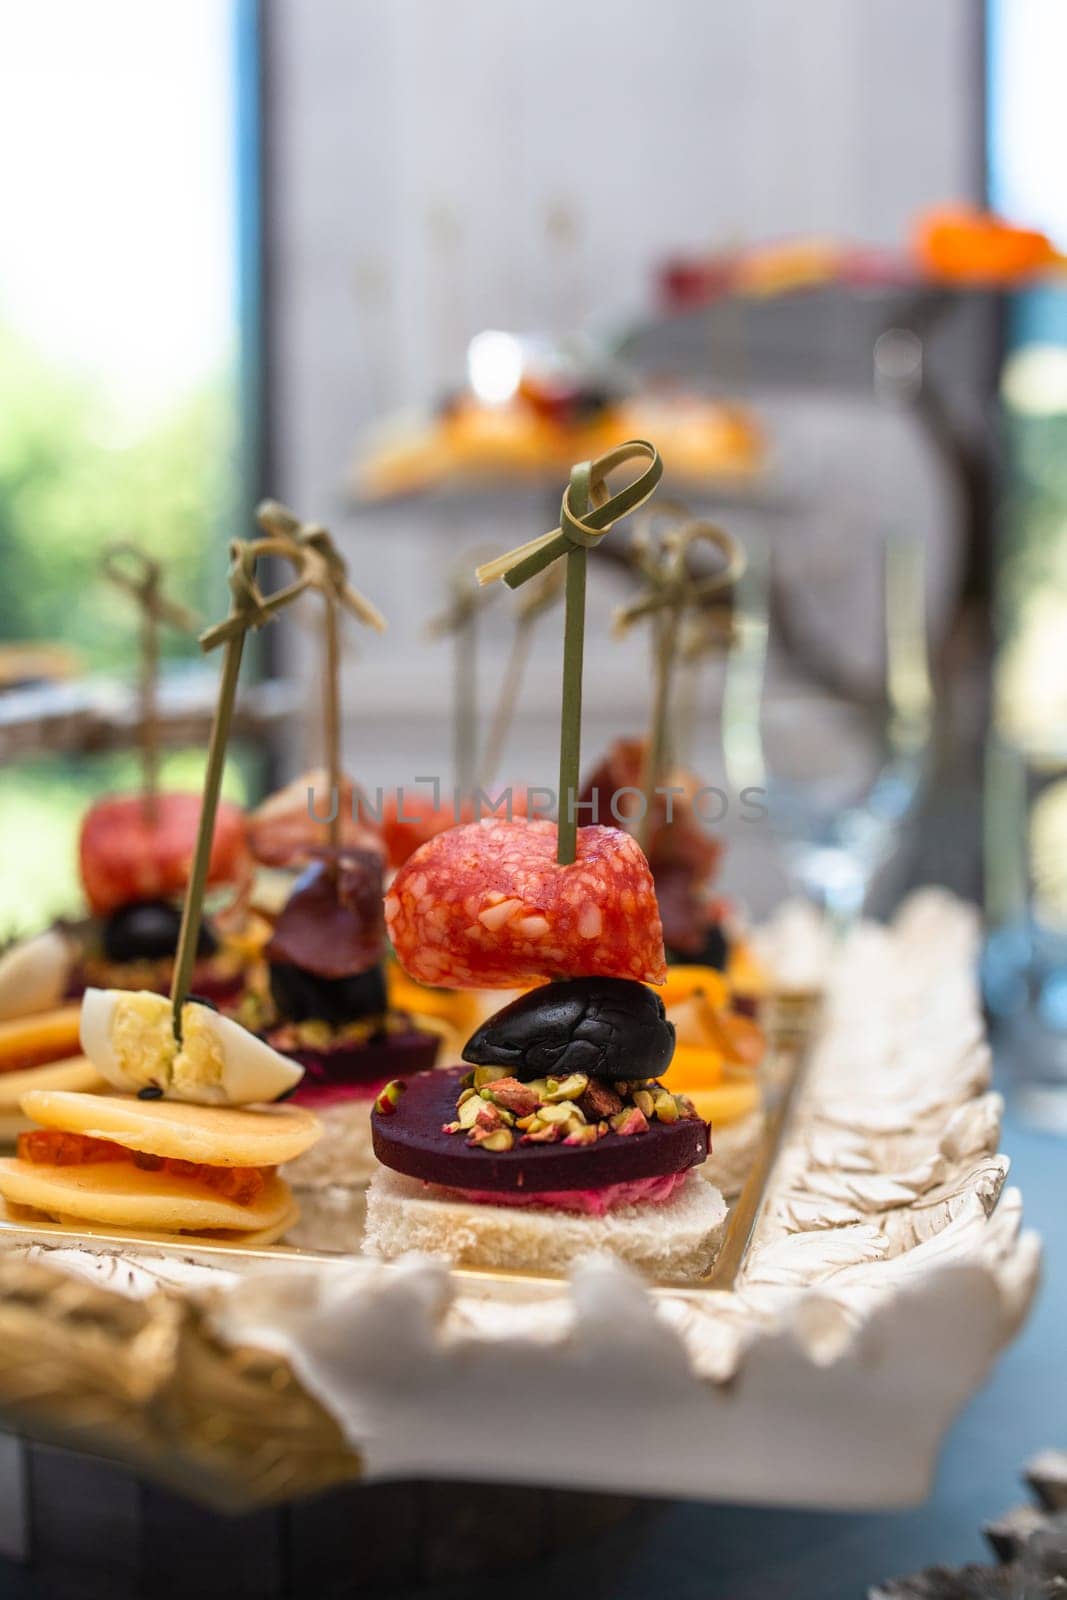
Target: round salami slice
{"x":290,"y":827}
{"x":413,"y":1141}
{"x":487,"y":906}
{"x":127,"y":856}
{"x":677,"y":835}
{"x":411,"y":818}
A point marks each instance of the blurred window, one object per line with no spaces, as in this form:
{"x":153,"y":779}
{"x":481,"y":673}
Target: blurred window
{"x":1027,"y":133}
{"x":121,"y":412}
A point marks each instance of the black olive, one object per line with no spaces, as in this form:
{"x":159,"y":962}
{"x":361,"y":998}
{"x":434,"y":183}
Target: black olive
{"x":605,"y":1027}
{"x":713,"y":952}
{"x":716,"y":951}
{"x":302,"y":996}
{"x":148,"y":931}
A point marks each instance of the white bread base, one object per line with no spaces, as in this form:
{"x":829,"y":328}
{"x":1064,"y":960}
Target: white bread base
{"x":732,"y":1150}
{"x":344,"y":1155}
{"x":677,"y":1239}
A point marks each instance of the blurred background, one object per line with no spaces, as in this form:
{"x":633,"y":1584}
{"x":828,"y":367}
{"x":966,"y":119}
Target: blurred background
{"x":395,"y":264}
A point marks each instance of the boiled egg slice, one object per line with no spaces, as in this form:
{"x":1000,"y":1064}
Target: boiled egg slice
{"x":129,"y":1038}
{"x":34,"y":974}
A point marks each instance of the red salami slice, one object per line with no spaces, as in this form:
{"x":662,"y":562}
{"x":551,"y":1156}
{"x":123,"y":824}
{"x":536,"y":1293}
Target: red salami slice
{"x":488,"y":906}
{"x":677,"y":834}
{"x":286,"y":830}
{"x":125,"y":857}
{"x":410,"y":819}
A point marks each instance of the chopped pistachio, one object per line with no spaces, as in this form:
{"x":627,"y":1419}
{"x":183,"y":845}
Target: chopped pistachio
{"x":542,"y":1133}
{"x":644,"y":1102}
{"x":484,"y":1075}
{"x":628,"y":1121}
{"x":581,"y":1135}
{"x":557,"y":1113}
{"x":465,"y":1096}
{"x":469,"y":1111}
{"x":568,"y":1088}
{"x":502,"y":1139}
{"x":513,"y":1096}
{"x":389,"y":1098}
{"x":666,"y":1107}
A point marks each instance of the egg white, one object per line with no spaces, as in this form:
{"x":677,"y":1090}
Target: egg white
{"x":250,"y":1070}
{"x":34,"y":974}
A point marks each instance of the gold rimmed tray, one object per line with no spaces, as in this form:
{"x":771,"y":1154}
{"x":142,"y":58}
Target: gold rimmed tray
{"x":878,"y":1264}
{"x":790,"y":1032}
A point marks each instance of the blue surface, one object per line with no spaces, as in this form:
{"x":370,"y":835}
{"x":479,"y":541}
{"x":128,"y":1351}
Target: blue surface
{"x":695,"y":1552}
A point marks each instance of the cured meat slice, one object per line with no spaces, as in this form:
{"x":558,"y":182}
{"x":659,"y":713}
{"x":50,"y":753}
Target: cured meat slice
{"x":488,"y":906}
{"x":289,"y":828}
{"x":127,"y":856}
{"x":677,"y":834}
{"x":410,"y":819}
{"x":332,"y":922}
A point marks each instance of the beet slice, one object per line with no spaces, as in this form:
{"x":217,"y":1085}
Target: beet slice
{"x":411,"y":1141}
{"x":364,"y":1061}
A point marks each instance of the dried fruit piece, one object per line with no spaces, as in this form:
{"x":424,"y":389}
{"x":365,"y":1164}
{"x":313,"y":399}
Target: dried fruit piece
{"x":599,"y":1100}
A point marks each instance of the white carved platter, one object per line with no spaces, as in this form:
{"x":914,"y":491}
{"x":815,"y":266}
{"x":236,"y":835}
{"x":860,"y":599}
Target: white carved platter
{"x":887,"y":1269}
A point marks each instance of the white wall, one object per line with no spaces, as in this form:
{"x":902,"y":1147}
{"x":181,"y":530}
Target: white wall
{"x":420,"y":149}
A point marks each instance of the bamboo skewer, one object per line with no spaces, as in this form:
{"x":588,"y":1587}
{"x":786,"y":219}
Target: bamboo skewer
{"x":129,"y":568}
{"x":310,"y":550}
{"x":588,"y":512}
{"x":671,"y":591}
